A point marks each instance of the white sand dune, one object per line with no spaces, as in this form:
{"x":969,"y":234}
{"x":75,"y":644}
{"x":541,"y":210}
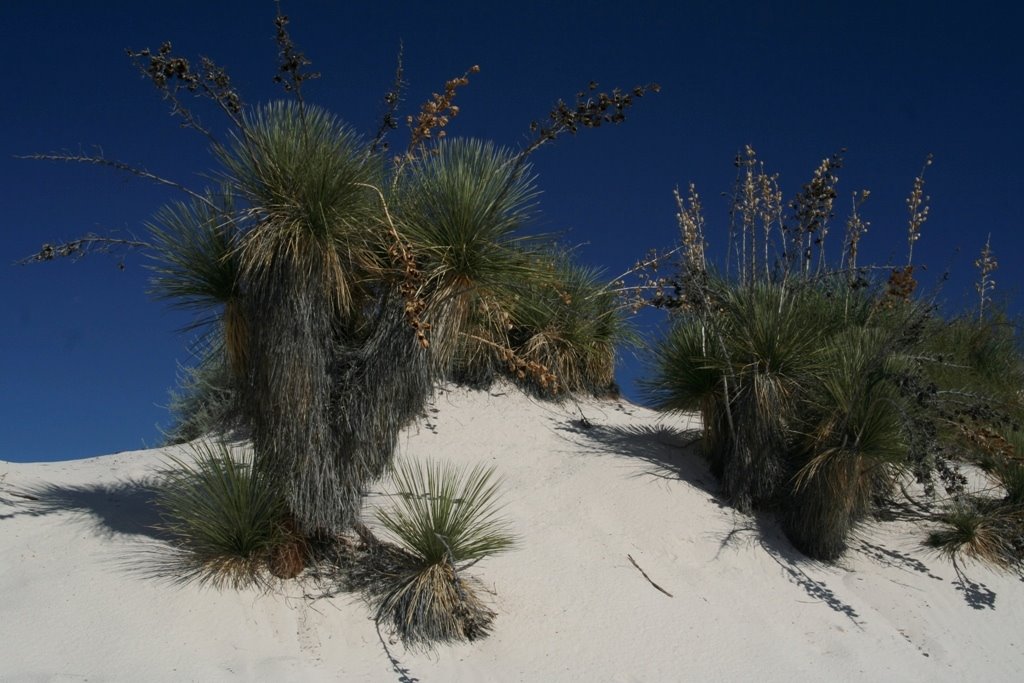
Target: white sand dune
{"x":572,"y":606}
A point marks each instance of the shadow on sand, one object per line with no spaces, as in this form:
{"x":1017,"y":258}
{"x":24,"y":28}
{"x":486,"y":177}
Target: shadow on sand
{"x":671,"y":453}
{"x":125,"y":507}
{"x":674,"y":453}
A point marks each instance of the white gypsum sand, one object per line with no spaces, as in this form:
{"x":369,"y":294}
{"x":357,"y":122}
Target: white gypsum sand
{"x":603,"y":512}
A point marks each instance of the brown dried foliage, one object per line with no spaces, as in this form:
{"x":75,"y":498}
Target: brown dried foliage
{"x":900,"y":286}
{"x":812,"y":211}
{"x":392,"y":98}
{"x":437,"y":112}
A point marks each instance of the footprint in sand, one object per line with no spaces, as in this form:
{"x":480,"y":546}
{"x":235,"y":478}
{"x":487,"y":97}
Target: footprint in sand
{"x":309,"y":640}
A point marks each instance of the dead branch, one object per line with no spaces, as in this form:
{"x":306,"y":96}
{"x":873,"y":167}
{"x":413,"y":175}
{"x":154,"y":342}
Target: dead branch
{"x":291,"y":73}
{"x":391,"y":100}
{"x":436,"y":113}
{"x":76,"y":249}
{"x":170,"y":74}
{"x":588,"y":111}
{"x":120,"y":166}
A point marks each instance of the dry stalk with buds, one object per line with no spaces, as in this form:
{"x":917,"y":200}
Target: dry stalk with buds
{"x":986,"y":264}
{"x":917,"y":208}
{"x":436,"y":112}
{"x":588,"y":111}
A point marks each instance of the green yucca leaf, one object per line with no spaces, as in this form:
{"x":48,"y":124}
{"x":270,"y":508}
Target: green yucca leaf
{"x":687,"y":368}
{"x":444,"y":513}
{"x":196,"y":253}
{"x":224,"y":517}
{"x":300,"y":166}
{"x":463,"y":207}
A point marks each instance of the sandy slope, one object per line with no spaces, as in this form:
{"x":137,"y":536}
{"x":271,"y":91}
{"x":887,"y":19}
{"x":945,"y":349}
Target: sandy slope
{"x":571,"y":605}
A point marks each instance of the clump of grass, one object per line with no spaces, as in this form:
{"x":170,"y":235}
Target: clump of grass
{"x":226,"y":520}
{"x":444,"y":521}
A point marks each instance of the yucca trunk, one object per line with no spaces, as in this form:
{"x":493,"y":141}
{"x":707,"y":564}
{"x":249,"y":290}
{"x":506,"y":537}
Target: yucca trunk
{"x":236,"y":338}
{"x":288,"y":394}
{"x":753,"y":466}
{"x":824,"y":508}
{"x":380,"y":385}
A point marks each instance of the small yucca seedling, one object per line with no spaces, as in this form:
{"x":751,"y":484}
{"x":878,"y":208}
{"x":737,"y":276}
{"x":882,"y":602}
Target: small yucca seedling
{"x":226,"y":520}
{"x":970,"y":532}
{"x":445,"y":520}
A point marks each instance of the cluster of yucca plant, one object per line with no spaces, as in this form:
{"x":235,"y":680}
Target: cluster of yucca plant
{"x":513,"y":305}
{"x":798,"y":393}
{"x":819,"y":386}
{"x":335,"y":284}
{"x":344,"y":283}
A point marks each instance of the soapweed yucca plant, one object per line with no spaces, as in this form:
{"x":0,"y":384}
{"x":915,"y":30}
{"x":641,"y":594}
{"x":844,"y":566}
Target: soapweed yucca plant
{"x":503,"y":303}
{"x":227,"y":521}
{"x":792,"y":358}
{"x":771,"y":336}
{"x":987,"y":525}
{"x":445,"y":519}
{"x":335,"y":370}
{"x":744,"y":368}
{"x":851,"y":444}
{"x":464,"y":206}
{"x":205,"y":402}
{"x":324,"y":367}
{"x":572,"y":324}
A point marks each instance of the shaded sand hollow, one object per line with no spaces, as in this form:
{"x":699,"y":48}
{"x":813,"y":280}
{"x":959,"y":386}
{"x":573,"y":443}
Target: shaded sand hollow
{"x":572,"y":605}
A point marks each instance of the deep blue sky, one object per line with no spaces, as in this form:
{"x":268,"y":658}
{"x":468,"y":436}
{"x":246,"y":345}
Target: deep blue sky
{"x":86,"y":358}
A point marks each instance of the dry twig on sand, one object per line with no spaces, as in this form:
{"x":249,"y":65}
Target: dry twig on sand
{"x":648,"y":578}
